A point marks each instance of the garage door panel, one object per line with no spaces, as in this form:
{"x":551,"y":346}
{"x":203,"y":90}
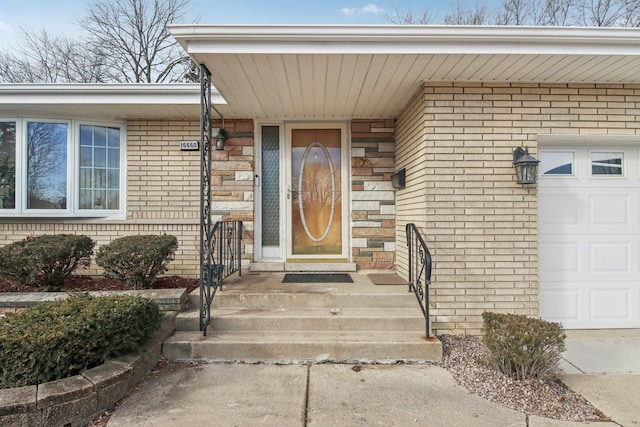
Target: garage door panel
{"x":559,"y":257}
{"x":560,"y":303}
{"x":559,"y":210}
{"x":589,"y":240}
{"x":609,"y":210}
{"x":610,"y":304}
{"x":609,"y":257}
{"x":589,"y":305}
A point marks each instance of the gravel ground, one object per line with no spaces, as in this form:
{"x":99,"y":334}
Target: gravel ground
{"x":463,"y":356}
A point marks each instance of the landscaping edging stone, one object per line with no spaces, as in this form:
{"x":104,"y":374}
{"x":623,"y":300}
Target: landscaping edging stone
{"x":168,"y":299}
{"x":74,"y":401}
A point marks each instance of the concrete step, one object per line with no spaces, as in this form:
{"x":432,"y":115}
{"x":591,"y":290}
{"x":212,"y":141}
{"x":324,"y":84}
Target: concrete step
{"x":307,"y":319}
{"x":286,"y":346}
{"x":339,"y":298}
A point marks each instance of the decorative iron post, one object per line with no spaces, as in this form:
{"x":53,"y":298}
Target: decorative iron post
{"x":207,"y":247}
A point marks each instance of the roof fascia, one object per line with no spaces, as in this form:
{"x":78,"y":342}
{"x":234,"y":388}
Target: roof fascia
{"x":82,"y":93}
{"x":331,"y":39}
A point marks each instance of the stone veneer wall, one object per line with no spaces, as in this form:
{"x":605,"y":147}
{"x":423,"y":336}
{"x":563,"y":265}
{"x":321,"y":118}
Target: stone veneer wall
{"x":482,"y":227}
{"x":163,"y":191}
{"x":373,"y":209}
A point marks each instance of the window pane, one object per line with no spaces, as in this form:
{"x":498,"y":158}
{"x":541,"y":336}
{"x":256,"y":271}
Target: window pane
{"x":99,"y":136}
{"x":606,"y":163}
{"x":102,"y":158}
{"x":270,"y":186}
{"x":86,"y":175}
{"x":113,"y":200}
{"x":86,"y":135}
{"x":113,"y":135}
{"x":100,"y":178}
{"x":113,"y":179}
{"x":556,"y":162}
{"x":86,"y":156}
{"x":113,"y":160}
{"x":99,"y":198}
{"x":46,"y":165}
{"x":85,"y":199}
{"x":7,"y":165}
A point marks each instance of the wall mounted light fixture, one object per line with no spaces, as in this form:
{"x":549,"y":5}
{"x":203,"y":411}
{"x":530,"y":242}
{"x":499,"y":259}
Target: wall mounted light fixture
{"x":526,"y":166}
{"x":220,"y":138}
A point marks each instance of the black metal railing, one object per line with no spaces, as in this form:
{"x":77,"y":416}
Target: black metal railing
{"x":220,"y":243}
{"x":419,"y":271}
{"x":226,"y":259}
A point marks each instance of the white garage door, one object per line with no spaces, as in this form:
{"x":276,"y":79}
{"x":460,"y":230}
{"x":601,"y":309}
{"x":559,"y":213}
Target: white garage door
{"x":589,"y":205}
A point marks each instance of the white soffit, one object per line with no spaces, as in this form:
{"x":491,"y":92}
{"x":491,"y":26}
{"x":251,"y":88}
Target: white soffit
{"x":104,"y":101}
{"x":314,"y":72}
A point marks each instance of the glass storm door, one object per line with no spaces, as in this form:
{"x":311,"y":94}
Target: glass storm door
{"x":315,"y":192}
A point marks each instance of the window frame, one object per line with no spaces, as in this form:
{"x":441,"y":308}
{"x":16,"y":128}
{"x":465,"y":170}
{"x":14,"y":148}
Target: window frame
{"x":73,"y":171}
{"x":574,"y":163}
{"x":122,"y":164}
{"x":623,"y":165}
{"x":17,"y":170}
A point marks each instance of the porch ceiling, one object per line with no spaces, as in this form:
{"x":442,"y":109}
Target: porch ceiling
{"x":312,"y":72}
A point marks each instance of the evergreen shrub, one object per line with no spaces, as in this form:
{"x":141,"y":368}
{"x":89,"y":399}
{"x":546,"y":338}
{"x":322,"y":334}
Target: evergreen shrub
{"x":137,"y":260}
{"x":60,"y":339}
{"x":522,"y":347}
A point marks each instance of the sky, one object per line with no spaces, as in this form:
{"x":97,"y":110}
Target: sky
{"x":60,"y":16}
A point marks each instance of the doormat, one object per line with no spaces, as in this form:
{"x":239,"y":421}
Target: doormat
{"x":317,"y":278}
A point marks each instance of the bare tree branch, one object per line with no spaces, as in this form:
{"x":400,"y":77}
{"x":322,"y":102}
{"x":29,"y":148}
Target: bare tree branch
{"x":514,"y":12}
{"x":43,"y":58}
{"x":133,"y":37}
{"x":409,"y":16}
{"x":462,"y":15}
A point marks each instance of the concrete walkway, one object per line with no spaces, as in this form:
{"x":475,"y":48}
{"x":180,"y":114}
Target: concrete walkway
{"x":397,"y":395}
{"x":604,"y":367}
{"x":338,"y":395}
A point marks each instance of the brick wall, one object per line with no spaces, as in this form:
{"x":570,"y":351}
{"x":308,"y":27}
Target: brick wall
{"x":372,"y":197}
{"x":163,"y":191}
{"x":481,"y":225}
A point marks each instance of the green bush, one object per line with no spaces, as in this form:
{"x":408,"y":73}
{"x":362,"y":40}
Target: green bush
{"x":64,"y":338}
{"x":45,"y":261}
{"x":137,"y":260}
{"x":522,"y":347}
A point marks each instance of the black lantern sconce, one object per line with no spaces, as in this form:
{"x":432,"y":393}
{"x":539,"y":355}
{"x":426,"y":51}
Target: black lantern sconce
{"x":526,"y":166}
{"x":220,"y":138}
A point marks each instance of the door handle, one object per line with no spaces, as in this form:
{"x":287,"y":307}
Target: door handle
{"x":292,"y":194}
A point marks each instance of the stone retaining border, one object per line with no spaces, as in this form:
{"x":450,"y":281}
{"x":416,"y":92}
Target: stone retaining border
{"x":74,"y":401}
{"x":168,"y":299}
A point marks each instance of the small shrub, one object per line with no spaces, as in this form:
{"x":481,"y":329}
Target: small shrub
{"x":522,"y":347}
{"x":64,"y":338}
{"x":137,"y":260}
{"x":45,"y":261}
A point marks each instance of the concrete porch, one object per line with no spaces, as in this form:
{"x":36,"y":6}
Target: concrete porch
{"x":258,"y":318}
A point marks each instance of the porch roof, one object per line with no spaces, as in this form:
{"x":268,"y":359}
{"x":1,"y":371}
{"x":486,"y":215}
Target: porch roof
{"x":105,"y":101}
{"x":312,"y":72}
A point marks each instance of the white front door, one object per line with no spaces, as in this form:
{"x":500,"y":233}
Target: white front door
{"x":589,"y":215}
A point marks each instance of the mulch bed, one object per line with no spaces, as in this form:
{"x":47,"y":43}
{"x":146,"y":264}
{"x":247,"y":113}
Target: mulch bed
{"x":80,"y":283}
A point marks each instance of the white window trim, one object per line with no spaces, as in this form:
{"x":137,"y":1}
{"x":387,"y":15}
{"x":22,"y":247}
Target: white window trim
{"x":623,"y":166}
{"x":73,"y":172}
{"x":574,"y":169}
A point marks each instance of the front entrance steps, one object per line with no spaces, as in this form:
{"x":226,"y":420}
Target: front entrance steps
{"x":258,"y":318}
{"x":322,"y":267}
